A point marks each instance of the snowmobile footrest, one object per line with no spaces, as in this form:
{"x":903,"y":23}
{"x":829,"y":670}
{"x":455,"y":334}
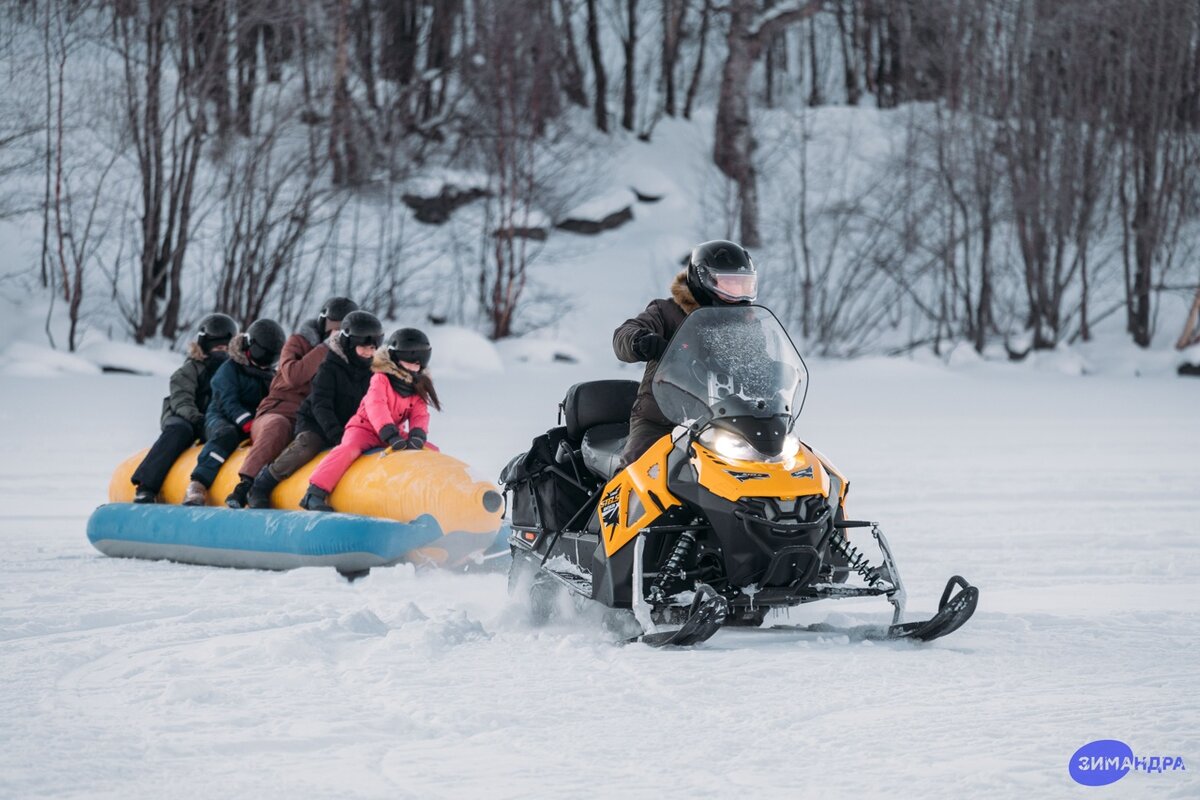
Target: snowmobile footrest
{"x":579,"y":584}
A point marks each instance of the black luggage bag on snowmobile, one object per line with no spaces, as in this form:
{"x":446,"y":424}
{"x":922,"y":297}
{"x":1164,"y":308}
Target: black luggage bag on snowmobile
{"x":550,"y":482}
{"x":545,"y":494}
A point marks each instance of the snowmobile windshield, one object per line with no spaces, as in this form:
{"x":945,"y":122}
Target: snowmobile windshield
{"x":730,"y":362}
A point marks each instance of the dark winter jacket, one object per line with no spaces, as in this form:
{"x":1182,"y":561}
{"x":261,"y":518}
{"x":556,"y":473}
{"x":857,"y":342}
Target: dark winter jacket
{"x":664,"y":318}
{"x":302,"y":354}
{"x":238,"y":386}
{"x":338,"y":388}
{"x":190,"y":387}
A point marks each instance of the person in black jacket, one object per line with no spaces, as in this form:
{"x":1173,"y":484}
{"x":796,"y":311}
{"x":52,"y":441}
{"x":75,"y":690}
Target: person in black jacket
{"x":718,"y":272}
{"x":237,"y":388}
{"x":183,"y":409}
{"x":337,"y":389}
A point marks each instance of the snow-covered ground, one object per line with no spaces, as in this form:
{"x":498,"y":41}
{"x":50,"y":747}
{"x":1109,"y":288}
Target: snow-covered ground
{"x":1073,"y":503}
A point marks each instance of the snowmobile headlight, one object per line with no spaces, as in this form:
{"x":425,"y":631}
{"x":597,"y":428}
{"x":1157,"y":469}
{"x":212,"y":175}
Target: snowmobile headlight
{"x":729,"y":445}
{"x":791,"y":446}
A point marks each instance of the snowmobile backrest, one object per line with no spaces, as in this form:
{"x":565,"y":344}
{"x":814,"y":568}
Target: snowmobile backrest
{"x":597,"y":403}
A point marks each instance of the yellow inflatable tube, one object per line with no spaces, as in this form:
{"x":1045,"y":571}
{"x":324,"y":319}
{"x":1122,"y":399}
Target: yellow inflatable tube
{"x":392,"y":485}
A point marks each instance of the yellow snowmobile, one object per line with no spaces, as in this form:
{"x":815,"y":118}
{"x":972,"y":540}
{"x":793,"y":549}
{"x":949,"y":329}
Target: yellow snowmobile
{"x":719,"y":522}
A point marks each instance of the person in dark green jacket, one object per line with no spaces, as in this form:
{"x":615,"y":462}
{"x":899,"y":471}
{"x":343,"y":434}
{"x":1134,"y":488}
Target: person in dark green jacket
{"x":184,"y":408}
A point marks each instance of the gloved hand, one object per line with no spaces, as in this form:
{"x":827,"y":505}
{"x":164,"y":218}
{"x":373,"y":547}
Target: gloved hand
{"x":247,"y":425}
{"x":649,"y":346}
{"x":392,"y":438}
{"x":417,"y":439}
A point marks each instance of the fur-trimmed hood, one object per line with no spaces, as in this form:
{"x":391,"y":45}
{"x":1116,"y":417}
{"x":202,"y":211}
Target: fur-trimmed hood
{"x":382,"y":363}
{"x":403,"y":381}
{"x":196,"y":352}
{"x":311,"y":331}
{"x":682,"y":295}
{"x":239,"y":354}
{"x":237,"y":350}
{"x":334,"y":343}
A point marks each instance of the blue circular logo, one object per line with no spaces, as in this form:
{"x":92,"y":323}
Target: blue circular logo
{"x":1101,"y":762}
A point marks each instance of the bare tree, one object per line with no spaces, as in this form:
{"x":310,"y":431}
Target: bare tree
{"x":698,"y":70}
{"x":1158,"y":41}
{"x":399,"y":46}
{"x":515,"y":98}
{"x":600,"y":92}
{"x":75,"y":224}
{"x":167,"y":143}
{"x":272,"y":205}
{"x":571,"y":68}
{"x":674,"y":15}
{"x":629,"y":45}
{"x":733,"y":147}
{"x":344,"y":153}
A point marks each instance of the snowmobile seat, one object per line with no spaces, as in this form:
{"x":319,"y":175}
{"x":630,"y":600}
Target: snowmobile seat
{"x":602,"y":447}
{"x":595,"y":403}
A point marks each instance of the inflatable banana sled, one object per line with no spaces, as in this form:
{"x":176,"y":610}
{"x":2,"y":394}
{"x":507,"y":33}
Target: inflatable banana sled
{"x":417,"y":506}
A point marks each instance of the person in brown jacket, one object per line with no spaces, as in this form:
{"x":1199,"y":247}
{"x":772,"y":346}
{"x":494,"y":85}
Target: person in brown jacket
{"x":275,"y":417}
{"x":717,"y":272}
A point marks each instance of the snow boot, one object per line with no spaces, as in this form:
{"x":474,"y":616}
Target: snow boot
{"x":144,"y":495}
{"x":196,"y":494}
{"x":260,"y":490}
{"x":316,"y":499}
{"x":237,"y":498}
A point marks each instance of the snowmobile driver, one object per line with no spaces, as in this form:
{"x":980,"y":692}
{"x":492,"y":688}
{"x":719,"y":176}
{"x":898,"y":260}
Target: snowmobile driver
{"x":718,"y":271}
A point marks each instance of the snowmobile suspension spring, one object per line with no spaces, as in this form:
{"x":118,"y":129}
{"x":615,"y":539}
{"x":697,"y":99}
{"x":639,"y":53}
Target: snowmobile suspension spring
{"x":683,"y":546}
{"x":857,"y":561}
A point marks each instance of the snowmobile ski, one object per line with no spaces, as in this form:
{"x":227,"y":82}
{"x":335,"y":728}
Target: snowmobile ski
{"x":951,"y":614}
{"x":705,"y":617}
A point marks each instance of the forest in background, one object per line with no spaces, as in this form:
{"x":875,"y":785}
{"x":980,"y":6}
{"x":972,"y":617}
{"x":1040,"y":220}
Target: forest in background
{"x":179,"y":155}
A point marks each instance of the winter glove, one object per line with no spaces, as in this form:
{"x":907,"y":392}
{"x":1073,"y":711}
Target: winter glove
{"x":390,"y":436}
{"x":649,"y":346}
{"x":416,"y":439}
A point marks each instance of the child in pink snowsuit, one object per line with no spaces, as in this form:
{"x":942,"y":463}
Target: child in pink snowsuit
{"x":399,"y":396}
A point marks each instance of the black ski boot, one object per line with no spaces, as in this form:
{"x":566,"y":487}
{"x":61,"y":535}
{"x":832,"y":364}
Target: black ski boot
{"x":237,"y":498}
{"x":315,"y":499}
{"x":144,"y":495}
{"x":260,"y":490}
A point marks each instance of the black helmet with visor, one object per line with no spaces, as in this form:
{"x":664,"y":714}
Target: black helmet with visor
{"x":360,"y":328}
{"x":722,"y":271}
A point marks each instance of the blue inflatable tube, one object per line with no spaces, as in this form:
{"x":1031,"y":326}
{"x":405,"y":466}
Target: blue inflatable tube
{"x":254,"y":539}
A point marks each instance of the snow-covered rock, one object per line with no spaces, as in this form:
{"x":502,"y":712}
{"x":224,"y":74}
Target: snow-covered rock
{"x":458,"y":351}
{"x":602,"y":213}
{"x":962,"y":354}
{"x":129,"y":357}
{"x":540,"y":351}
{"x":33,"y":360}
